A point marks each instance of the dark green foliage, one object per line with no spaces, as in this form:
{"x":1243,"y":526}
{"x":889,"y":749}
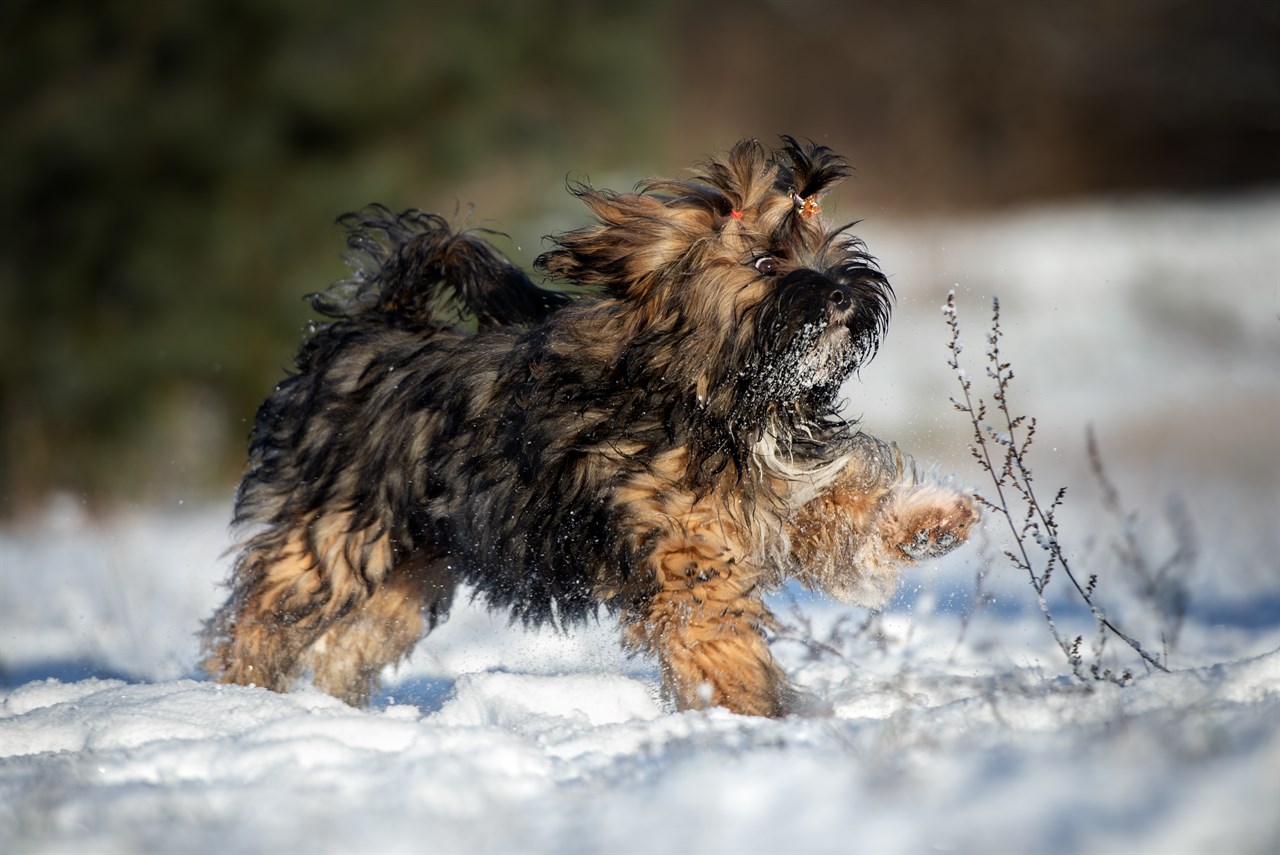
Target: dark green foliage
{"x":172,"y":171}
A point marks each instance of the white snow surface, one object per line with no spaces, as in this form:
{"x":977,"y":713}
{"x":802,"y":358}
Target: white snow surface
{"x":954,"y":724}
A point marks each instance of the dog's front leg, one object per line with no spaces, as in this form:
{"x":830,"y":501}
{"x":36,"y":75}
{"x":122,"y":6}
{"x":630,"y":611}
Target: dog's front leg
{"x":878,"y":516}
{"x":703,"y":617}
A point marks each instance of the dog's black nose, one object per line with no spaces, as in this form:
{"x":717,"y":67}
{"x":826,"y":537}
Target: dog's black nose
{"x":840,"y":296}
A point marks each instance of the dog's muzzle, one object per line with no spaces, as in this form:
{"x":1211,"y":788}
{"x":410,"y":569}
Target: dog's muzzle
{"x":816,"y":297}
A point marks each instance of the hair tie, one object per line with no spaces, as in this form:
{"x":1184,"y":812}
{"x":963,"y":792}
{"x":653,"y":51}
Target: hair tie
{"x":807,"y":205}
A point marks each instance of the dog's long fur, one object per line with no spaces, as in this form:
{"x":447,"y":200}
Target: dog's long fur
{"x":669,"y":447}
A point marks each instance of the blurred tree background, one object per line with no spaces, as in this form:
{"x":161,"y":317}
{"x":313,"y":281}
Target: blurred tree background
{"x":172,"y":169}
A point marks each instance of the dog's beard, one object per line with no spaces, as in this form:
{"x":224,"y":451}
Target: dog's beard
{"x":808,"y":345}
{"x":819,"y":356}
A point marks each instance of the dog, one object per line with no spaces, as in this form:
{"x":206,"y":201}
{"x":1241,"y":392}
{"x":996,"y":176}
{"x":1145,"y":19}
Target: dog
{"x":666,"y":444}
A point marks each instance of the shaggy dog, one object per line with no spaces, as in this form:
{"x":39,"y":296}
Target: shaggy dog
{"x":667,"y":445}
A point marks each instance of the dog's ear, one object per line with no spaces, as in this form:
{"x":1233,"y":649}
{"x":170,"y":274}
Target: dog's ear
{"x":638,"y":235}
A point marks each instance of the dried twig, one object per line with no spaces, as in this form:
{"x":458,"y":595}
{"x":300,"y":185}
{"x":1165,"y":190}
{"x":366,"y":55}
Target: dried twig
{"x":1002,"y":451}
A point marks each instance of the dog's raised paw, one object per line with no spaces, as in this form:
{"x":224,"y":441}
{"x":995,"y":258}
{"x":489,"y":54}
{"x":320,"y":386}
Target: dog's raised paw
{"x":939,"y":530}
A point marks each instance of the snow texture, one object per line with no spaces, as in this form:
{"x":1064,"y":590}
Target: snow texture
{"x":955,"y":723}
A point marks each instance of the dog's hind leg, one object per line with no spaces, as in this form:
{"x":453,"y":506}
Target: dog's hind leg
{"x":289,"y":586}
{"x":347,"y":658}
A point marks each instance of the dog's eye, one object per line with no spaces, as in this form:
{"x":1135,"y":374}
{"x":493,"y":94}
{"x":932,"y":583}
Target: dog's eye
{"x":766,"y":265}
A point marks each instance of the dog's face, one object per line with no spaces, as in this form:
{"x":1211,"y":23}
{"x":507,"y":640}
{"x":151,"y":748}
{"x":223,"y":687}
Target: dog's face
{"x":736,"y":288}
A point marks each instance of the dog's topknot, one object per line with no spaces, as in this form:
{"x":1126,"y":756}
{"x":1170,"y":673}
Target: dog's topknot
{"x":750,"y":175}
{"x":807,"y":168}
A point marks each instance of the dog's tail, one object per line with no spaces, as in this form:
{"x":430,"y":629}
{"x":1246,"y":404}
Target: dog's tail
{"x":412,"y":268}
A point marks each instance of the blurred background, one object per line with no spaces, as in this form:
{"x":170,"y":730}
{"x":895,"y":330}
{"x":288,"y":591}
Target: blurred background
{"x":171,"y":171}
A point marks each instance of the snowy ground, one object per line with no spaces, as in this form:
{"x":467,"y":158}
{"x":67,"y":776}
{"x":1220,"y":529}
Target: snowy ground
{"x":954,"y":728}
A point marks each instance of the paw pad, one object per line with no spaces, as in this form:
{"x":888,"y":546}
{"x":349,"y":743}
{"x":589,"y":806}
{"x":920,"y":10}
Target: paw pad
{"x":931,"y":543}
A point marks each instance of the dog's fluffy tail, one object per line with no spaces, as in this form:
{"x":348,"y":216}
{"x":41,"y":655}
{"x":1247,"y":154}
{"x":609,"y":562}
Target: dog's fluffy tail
{"x":413,"y":268}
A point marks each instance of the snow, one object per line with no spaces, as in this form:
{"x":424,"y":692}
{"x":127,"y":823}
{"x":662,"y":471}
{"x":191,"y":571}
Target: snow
{"x":954,"y":723}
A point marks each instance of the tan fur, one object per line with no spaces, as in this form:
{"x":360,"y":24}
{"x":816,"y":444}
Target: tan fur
{"x":853,"y":540}
{"x":706,"y":622}
{"x":279,"y":620}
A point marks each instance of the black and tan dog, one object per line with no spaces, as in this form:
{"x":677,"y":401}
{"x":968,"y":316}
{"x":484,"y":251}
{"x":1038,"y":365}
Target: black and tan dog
{"x":668,"y":447}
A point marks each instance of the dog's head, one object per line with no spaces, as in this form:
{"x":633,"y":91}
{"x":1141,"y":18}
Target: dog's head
{"x":733,"y":284}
